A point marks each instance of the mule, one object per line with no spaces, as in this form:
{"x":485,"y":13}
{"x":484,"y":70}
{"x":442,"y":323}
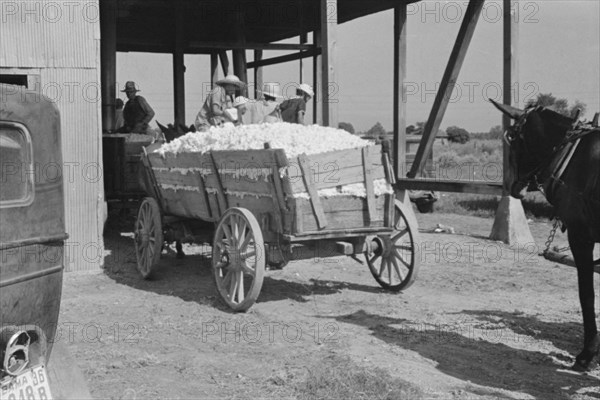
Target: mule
{"x":171,"y":132}
{"x":540,"y":142}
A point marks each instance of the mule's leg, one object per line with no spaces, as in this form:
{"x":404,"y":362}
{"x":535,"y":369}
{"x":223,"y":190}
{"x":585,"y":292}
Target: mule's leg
{"x":582,"y":249}
{"x":179,"y":248}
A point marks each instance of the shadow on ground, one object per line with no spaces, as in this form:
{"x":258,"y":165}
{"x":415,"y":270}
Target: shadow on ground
{"x":191,"y":278}
{"x":566,"y":336}
{"x":485,"y":363}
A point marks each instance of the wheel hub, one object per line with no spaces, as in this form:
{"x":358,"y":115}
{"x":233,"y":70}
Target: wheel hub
{"x":142,"y":237}
{"x":378,"y":245}
{"x":225,"y":258}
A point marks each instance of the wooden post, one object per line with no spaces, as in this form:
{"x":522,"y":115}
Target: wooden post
{"x":239,"y":55}
{"x":303,"y":36}
{"x":465,"y":34}
{"x":239,"y":64}
{"x":303,"y":40}
{"x":510,"y":224}
{"x":214,"y":69}
{"x":179,"y":68}
{"x":108,"y":59}
{"x":258,"y":74}
{"x":400,"y":90}
{"x":510,"y":76}
{"x":224,"y":62}
{"x":317,"y":116}
{"x":329,"y":11}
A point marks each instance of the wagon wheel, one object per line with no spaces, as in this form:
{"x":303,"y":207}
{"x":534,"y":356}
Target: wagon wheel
{"x":148,"y":236}
{"x":395,"y":261}
{"x":238,"y":258}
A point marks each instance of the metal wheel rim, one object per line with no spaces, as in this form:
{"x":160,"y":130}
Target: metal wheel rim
{"x":238,"y":258}
{"x":148,"y":236}
{"x":395,"y":268}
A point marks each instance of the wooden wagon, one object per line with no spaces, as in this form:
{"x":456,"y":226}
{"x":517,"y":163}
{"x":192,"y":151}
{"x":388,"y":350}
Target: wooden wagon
{"x":121,"y":157}
{"x":260,"y":208}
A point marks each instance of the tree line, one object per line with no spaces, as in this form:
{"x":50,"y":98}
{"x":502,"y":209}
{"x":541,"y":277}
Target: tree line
{"x":460,"y":135}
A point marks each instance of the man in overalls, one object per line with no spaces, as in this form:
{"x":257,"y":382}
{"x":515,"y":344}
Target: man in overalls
{"x":137,"y":112}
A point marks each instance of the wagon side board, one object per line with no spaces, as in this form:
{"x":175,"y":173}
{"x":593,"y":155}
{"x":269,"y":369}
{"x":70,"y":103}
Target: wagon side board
{"x":343,"y":213}
{"x":195,"y":185}
{"x":274,"y":188}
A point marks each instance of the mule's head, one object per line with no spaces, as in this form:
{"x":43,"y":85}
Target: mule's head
{"x":531,"y":139}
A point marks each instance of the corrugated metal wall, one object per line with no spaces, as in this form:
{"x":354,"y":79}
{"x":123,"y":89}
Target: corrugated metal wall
{"x":44,"y":33}
{"x":62,"y":40}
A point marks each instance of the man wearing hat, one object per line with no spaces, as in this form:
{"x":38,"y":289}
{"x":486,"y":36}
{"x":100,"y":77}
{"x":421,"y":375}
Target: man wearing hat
{"x":266,"y":109}
{"x":293,"y":110}
{"x":137,"y":112}
{"x":271,"y":107}
{"x":218,"y":100}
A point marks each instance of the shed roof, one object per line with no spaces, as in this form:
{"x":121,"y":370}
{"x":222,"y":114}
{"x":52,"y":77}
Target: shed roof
{"x":149,"y":25}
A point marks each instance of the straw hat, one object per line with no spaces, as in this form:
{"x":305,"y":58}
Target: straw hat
{"x":130,"y":87}
{"x":231,"y":80}
{"x":306,"y":88}
{"x":271,"y":89}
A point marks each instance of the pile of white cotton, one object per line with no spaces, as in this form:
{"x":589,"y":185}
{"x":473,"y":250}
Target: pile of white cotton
{"x":295,"y":139}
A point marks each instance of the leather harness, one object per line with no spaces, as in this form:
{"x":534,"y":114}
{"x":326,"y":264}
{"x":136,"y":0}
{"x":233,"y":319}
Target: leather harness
{"x":553,"y":168}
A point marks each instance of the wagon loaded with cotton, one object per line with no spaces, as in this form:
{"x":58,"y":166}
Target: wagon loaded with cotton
{"x":277,"y":199}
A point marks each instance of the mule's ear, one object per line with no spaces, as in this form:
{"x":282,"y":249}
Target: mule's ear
{"x":512,"y":112}
{"x":163,"y":128}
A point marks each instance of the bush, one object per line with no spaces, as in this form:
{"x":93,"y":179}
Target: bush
{"x":457,"y":135}
{"x":347,"y":126}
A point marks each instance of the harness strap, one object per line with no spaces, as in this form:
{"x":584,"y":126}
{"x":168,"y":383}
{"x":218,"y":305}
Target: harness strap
{"x":566,"y":160}
{"x":572,"y":140}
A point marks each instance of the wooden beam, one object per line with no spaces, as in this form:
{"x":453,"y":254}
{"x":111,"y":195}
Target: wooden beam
{"x":258,"y":73}
{"x":510,"y":223}
{"x":214,"y":69}
{"x":108,"y":60}
{"x":282,"y":59}
{"x":400,"y":43}
{"x":368,"y":179}
{"x":303,"y":39}
{"x":316,"y":73}
{"x":465,"y":34}
{"x":239,"y":66}
{"x":308,"y":177}
{"x":248,"y":46}
{"x":224,"y":62}
{"x":179,"y":69}
{"x":449,"y":186}
{"x":510,"y":75}
{"x":329,"y":12}
{"x":239,"y":54}
{"x":145,"y":48}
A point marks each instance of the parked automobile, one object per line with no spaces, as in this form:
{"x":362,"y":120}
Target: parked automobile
{"x":32,"y":240}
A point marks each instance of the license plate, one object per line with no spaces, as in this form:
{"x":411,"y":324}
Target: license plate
{"x":30,"y":385}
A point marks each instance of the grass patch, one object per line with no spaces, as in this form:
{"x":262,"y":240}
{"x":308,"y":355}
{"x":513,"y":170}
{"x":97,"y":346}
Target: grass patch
{"x":479,"y":160}
{"x":338,"y":377}
{"x":535,"y":205}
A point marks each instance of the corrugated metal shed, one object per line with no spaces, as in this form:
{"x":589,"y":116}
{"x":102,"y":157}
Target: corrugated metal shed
{"x":52,"y":34}
{"x":59,"y":43}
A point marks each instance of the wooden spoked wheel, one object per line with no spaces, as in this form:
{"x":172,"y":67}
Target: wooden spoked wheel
{"x":238,"y":258}
{"x":148,"y":236}
{"x":394,"y":261}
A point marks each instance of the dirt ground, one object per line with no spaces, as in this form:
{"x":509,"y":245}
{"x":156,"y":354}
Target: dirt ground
{"x":482,"y":321}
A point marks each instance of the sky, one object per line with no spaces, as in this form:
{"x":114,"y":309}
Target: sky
{"x":558,"y":52}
